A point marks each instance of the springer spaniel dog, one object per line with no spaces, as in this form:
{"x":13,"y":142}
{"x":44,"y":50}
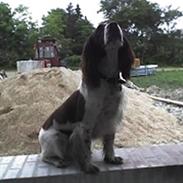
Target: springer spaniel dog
{"x":95,"y":109}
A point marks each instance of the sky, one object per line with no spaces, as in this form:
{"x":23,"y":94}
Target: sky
{"x":89,"y":8}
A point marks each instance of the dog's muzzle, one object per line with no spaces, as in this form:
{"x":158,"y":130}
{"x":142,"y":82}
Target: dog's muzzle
{"x":113,"y":33}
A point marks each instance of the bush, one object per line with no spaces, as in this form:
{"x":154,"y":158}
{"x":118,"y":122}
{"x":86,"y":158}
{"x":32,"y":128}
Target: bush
{"x":72,"y":62}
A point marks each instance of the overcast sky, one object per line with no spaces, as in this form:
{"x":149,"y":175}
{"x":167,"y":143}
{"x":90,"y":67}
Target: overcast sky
{"x":89,"y":8}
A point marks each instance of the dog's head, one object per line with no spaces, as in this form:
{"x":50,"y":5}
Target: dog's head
{"x":106,"y":52}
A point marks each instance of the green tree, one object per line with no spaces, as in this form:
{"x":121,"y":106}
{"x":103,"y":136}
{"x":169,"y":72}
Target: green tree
{"x":146,"y":25}
{"x":6,"y":32}
{"x":17,"y":35}
{"x":25,"y":33}
{"x":54,"y":23}
{"x":69,"y":28}
{"x":83,"y":30}
{"x":78,"y":28}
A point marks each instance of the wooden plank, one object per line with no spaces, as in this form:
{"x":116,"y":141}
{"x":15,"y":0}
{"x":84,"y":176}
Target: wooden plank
{"x":168,"y":101}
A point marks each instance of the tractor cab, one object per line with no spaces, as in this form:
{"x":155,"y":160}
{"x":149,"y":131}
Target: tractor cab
{"x":46,"y":50}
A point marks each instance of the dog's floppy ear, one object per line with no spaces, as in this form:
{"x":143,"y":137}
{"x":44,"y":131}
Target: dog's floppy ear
{"x":125,"y":58}
{"x":91,"y":56}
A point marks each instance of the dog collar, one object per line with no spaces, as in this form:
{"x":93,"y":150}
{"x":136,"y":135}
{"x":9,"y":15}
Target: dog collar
{"x":113,"y":80}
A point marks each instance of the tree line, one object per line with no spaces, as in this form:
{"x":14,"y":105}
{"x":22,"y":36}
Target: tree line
{"x":18,"y":33}
{"x":149,"y":28}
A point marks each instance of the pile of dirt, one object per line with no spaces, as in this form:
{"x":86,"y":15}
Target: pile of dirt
{"x":28,"y":99}
{"x":145,"y":123}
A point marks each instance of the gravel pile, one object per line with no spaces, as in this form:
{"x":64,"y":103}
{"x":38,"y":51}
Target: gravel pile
{"x":176,"y":94}
{"x":175,"y":110}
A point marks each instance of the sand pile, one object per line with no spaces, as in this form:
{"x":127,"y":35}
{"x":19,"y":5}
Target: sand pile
{"x":144,"y":123}
{"x":28,"y":99}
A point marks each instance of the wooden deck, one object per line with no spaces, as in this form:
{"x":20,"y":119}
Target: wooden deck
{"x":150,"y":164}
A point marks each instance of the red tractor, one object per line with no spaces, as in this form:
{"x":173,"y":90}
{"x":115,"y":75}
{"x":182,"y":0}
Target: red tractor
{"x":46,"y":50}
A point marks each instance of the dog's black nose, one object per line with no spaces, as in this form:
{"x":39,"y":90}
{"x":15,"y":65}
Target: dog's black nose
{"x":113,"y":25}
{"x":113,"y":32}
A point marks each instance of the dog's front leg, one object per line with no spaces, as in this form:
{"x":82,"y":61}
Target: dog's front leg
{"x":109,"y":156}
{"x":80,"y":141}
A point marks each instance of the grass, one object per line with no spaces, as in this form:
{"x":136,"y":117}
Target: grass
{"x":163,"y":79}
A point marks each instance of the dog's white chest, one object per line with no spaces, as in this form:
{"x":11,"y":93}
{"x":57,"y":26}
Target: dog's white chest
{"x":103,"y":110}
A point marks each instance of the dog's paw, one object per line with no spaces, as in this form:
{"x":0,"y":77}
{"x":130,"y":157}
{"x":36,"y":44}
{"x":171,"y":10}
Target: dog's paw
{"x":59,"y":163}
{"x":91,"y":169}
{"x":62,"y":164}
{"x":114,"y":160}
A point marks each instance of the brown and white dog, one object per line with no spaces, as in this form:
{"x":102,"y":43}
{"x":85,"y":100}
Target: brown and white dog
{"x":94,"y":110}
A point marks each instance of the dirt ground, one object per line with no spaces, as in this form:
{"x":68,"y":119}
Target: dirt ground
{"x":26,"y":100}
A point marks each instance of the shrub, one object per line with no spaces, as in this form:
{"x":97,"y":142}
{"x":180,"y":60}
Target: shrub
{"x":72,"y":62}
